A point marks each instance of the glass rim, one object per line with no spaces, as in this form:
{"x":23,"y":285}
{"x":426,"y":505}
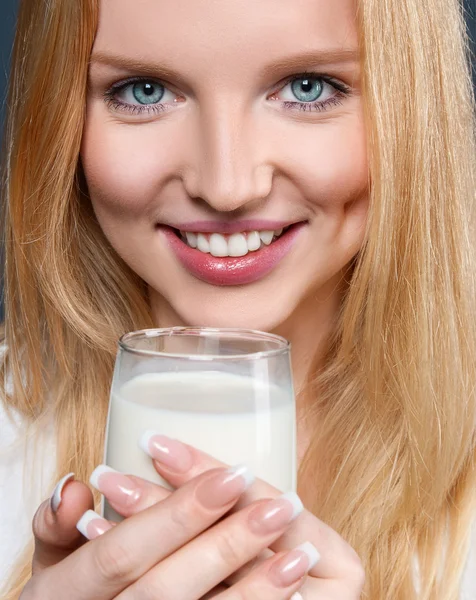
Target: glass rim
{"x":284,"y":344}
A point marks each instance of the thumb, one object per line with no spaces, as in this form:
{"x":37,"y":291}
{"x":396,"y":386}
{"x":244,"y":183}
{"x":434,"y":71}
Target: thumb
{"x":54,"y":524}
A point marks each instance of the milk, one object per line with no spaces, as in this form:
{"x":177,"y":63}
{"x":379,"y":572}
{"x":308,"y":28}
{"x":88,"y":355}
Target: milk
{"x":234,"y":418}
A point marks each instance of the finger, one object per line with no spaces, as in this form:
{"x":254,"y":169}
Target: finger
{"x":126,"y":494}
{"x":218,"y":552}
{"x":54,"y":524}
{"x":249,"y":567}
{"x":276,"y":579}
{"x":339,"y":561}
{"x":113,"y":561}
{"x":177,"y":462}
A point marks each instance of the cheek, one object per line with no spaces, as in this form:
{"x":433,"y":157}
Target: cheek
{"x":330,"y":163}
{"x":124,"y":165}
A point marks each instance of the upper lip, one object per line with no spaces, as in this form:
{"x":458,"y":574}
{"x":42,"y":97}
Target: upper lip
{"x":232,"y":226}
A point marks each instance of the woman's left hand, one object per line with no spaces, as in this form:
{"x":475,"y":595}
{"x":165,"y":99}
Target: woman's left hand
{"x":338,"y":575}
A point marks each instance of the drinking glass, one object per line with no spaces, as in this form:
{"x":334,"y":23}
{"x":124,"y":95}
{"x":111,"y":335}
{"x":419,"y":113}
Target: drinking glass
{"x":227,"y":392}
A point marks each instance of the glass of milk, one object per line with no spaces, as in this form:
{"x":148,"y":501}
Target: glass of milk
{"x":228,"y":392}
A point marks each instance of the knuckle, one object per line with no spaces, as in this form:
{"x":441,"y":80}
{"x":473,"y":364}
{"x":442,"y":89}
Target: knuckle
{"x":355,"y":569}
{"x":151,"y":588}
{"x":113,"y":563}
{"x":227,"y":549}
{"x":182,"y":516}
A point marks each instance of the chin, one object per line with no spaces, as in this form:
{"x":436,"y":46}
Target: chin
{"x":227,"y":312}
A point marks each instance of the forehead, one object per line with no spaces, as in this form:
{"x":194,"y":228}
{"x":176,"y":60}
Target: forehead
{"x":245,"y":32}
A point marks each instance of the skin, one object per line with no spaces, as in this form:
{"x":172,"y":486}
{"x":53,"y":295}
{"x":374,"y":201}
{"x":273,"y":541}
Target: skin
{"x":225,"y":148}
{"x":127,"y":562}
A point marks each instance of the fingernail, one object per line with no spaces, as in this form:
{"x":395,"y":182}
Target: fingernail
{"x":297,"y":596}
{"x":56,"y":496}
{"x":171,"y":453}
{"x":92,"y":525}
{"x":292,"y":567}
{"x":273,"y":515}
{"x":117,"y":488}
{"x":224,"y":487}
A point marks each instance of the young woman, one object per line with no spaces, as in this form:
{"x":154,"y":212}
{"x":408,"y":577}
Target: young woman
{"x":321,"y":156}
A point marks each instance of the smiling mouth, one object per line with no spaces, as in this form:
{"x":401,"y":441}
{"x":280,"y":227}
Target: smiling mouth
{"x":236,"y":258}
{"x":233,"y":245}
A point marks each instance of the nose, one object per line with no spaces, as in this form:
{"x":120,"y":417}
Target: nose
{"x":227,"y":169}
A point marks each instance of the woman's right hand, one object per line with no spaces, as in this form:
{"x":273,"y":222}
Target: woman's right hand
{"x":179,"y":548}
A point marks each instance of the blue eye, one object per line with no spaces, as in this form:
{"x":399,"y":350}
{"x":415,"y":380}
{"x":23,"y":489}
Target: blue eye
{"x":140,"y":95}
{"x":311,"y":92}
{"x":307,"y":89}
{"x":148,"y":93}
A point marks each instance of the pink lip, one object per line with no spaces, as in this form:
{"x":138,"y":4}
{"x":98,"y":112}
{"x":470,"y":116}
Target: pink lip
{"x":229,"y":270}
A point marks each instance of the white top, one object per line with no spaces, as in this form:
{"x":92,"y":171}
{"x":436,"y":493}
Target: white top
{"x":22,"y":490}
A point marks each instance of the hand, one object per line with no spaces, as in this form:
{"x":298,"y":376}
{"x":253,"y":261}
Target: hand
{"x":179,"y":548}
{"x":54,"y":524}
{"x":338,"y":575}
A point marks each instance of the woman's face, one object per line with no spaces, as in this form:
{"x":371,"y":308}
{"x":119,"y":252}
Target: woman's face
{"x":222,"y":123}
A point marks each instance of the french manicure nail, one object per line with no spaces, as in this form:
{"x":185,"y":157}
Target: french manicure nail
{"x":224,"y":487}
{"x":169,"y":452}
{"x":270,"y":517}
{"x":311,"y":552}
{"x":56,"y":496}
{"x":117,"y":488}
{"x":92,"y":525}
{"x":297,"y":596}
{"x":294,"y":565}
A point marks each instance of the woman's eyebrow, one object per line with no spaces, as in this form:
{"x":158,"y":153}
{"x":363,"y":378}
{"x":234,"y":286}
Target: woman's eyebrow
{"x":317,"y":58}
{"x":131,"y":64}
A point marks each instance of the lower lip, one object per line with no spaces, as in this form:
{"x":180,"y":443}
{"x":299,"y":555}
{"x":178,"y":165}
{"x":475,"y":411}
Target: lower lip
{"x":229,"y":270}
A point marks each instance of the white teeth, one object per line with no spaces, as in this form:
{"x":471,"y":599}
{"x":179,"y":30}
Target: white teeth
{"x":237,"y":245}
{"x":191,"y":239}
{"x":202,"y":243}
{"x":266,"y":237}
{"x":254,"y":241}
{"x":218,"y":245}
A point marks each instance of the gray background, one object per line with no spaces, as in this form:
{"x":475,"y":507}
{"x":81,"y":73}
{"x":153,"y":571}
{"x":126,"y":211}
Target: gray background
{"x":7,"y":24}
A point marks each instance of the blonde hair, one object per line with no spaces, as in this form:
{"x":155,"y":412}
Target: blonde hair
{"x":395,"y":404}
